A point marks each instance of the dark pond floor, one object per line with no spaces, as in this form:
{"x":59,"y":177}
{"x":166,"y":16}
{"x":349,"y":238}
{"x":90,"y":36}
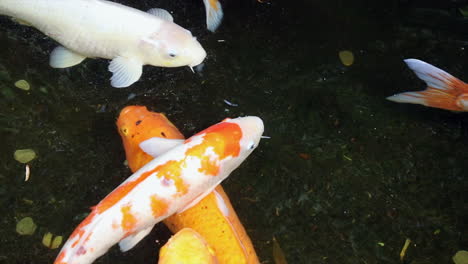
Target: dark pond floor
{"x":346,"y":177}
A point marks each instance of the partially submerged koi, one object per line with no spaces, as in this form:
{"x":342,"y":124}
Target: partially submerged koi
{"x":188,"y":247}
{"x":169,"y":184}
{"x":443,"y":90}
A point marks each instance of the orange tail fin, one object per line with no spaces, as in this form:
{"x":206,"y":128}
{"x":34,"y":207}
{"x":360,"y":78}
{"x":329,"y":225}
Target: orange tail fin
{"x":443,"y":90}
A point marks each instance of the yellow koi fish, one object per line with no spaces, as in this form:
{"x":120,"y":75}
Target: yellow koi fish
{"x":174,"y":181}
{"x":102,"y":29}
{"x":213,"y":217}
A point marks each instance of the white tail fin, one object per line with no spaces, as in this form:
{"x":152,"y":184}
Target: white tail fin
{"x":433,"y":76}
{"x":409,"y":97}
{"x":442,"y":88}
{"x":214,"y":14}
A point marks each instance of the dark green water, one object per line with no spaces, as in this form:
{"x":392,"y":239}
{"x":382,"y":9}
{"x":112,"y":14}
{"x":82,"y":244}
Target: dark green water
{"x":377,"y":173}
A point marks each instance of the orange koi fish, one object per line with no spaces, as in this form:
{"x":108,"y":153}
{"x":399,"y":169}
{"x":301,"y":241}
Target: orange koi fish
{"x":214,"y":14}
{"x":174,"y":181}
{"x":188,"y":247}
{"x":213,"y":217}
{"x":443,"y":90}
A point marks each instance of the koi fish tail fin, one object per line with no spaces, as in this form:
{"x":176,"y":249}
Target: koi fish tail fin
{"x":214,"y":14}
{"x":430,"y":97}
{"x":442,"y":89}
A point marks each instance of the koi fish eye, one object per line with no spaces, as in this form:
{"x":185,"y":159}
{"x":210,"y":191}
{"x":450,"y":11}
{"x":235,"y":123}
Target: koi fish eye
{"x":172,"y":54}
{"x":251,"y":145}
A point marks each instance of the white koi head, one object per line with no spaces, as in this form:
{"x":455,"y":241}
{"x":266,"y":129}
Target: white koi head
{"x":172,"y":46}
{"x":233,"y":140}
{"x":252,"y":131}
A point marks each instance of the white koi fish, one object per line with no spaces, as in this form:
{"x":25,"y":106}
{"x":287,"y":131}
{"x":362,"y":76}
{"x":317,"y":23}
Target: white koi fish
{"x":169,"y":184}
{"x":101,"y":29}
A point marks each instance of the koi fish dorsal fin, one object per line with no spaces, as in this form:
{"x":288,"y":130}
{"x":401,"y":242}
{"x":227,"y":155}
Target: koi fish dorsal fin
{"x":161,"y":13}
{"x":435,"y":77}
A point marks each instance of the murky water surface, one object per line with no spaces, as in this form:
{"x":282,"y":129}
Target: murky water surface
{"x":346,"y":177}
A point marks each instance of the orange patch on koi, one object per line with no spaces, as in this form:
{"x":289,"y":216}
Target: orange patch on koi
{"x":213,"y":4}
{"x":60,"y":258}
{"x":223,"y":139}
{"x":172,"y":170}
{"x":158,"y":206}
{"x":227,"y":133}
{"x":79,"y":230}
{"x":128,"y":219}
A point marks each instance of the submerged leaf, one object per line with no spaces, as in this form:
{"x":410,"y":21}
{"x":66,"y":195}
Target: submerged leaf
{"x":23,"y":85}
{"x":461,"y":257}
{"x":26,"y":226}
{"x":56,"y":242}
{"x":346,"y":57}
{"x":47,"y":239}
{"x":24,"y":155}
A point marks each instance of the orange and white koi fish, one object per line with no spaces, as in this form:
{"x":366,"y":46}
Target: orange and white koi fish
{"x":103,"y":29}
{"x":213,"y":217}
{"x":169,"y":184}
{"x":188,"y":247}
{"x":443,"y":90}
{"x":214,"y":14}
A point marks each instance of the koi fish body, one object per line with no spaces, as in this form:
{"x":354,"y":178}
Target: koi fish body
{"x":171,"y":183}
{"x":102,"y":29}
{"x":214,"y":217}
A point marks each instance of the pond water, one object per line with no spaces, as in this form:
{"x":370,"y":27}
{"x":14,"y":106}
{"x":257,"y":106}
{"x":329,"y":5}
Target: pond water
{"x":346,"y":177}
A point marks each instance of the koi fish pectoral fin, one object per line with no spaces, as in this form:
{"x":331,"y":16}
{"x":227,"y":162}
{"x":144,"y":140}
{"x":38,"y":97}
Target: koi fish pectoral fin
{"x":62,"y":57}
{"x":156,"y":146}
{"x":214,"y":14}
{"x":130,"y":241}
{"x":125,"y":71}
{"x":161,"y":13}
